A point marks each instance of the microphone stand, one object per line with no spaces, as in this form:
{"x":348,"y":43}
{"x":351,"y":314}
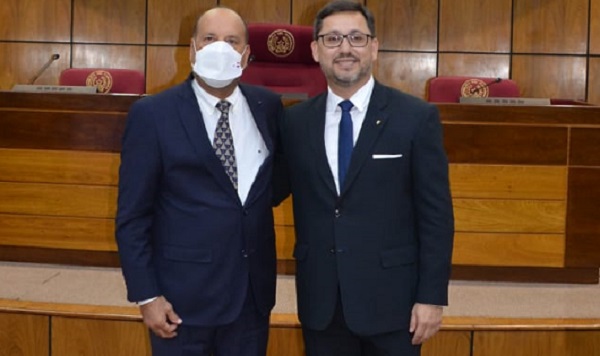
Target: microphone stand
{"x":54,"y":57}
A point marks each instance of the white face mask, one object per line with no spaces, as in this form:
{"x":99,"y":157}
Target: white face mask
{"x":218,"y":64}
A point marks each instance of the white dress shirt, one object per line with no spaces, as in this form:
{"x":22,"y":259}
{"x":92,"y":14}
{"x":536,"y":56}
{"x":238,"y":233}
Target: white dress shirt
{"x":333,"y":116}
{"x":250,"y":148}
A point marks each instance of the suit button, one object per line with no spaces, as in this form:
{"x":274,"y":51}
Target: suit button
{"x":245,"y":212}
{"x":337,"y":213}
{"x":332,"y":251}
{"x":244,"y":253}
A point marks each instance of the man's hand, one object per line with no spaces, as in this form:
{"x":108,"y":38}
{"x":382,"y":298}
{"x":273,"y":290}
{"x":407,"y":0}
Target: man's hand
{"x":160,"y":318}
{"x":425,"y":321}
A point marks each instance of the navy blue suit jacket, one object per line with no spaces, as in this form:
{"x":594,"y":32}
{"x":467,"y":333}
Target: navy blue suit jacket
{"x":181,"y":229}
{"x":386,"y":240}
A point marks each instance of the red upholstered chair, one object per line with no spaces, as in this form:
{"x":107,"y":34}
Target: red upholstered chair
{"x":282,"y":60}
{"x":107,"y":80}
{"x":451,"y":88}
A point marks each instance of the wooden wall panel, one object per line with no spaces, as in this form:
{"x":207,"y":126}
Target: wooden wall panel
{"x":174,"y":24}
{"x":475,"y":26}
{"x":71,"y":336}
{"x":48,"y":20}
{"x":528,"y":343}
{"x":60,"y":256}
{"x":406,"y":24}
{"x":594,"y":79}
{"x":58,"y":200}
{"x":272,"y":11}
{"x":285,"y":342}
{"x":109,"y":21}
{"x":495,"y":144}
{"x":24,"y":335}
{"x":448,"y":343}
{"x":476,"y":65}
{"x":166,"y":66}
{"x":550,"y":76}
{"x":509,"y":250}
{"x":498,"y":215}
{"x":508,"y":182}
{"x":585,"y":147}
{"x":108,"y":56}
{"x":20,"y":62}
{"x":57,"y":232}
{"x":285,"y":238}
{"x":405,"y":71}
{"x":304,"y":11}
{"x":95,"y":131}
{"x":283,"y":214}
{"x":583,"y":230}
{"x":558,"y":26}
{"x":595,"y":28}
{"x":49,"y":166}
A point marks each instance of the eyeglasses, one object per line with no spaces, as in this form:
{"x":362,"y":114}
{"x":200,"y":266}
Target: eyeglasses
{"x":356,"y":39}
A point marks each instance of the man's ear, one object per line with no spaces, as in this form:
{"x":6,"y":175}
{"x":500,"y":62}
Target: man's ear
{"x":314,"y":47}
{"x":192,"y":51}
{"x":374,"y":48}
{"x":246,"y":57}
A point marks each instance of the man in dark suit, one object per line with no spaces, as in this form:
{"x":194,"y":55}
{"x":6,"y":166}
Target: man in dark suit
{"x":372,"y":207}
{"x":194,"y":222}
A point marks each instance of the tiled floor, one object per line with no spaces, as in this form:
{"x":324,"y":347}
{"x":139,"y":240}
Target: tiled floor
{"x":105,"y":286}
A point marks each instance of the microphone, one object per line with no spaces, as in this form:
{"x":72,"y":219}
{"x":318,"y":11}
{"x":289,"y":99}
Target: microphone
{"x":53,"y":57}
{"x":487,"y":85}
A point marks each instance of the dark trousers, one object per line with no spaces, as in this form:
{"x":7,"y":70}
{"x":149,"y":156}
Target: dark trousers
{"x":245,"y":336}
{"x":338,"y":340}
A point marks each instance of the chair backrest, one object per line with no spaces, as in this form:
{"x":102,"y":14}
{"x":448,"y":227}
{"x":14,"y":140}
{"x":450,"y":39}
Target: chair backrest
{"x":449,"y":89}
{"x":282,"y":60}
{"x":106,"y":80}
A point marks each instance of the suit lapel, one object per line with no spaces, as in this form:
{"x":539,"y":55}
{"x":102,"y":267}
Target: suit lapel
{"x":316,"y":138}
{"x":372,"y":127}
{"x":192,"y":120}
{"x":256,"y":105}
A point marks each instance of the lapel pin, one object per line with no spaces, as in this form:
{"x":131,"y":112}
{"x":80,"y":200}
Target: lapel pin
{"x":378,"y":122}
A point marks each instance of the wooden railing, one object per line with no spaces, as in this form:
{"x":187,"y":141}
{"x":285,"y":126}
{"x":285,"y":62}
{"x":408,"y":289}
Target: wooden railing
{"x":32,"y":329}
{"x":523,"y":181}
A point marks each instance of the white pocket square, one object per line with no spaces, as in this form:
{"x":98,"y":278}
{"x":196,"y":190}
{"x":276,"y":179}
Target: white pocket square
{"x":384,"y":156}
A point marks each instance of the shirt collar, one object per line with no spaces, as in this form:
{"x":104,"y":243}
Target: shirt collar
{"x":360,"y":99}
{"x":210,"y":101}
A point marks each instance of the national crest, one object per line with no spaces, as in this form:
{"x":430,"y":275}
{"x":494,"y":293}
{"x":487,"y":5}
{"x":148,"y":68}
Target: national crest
{"x":474,"y":88}
{"x":281,"y":43}
{"x":100,"y":79}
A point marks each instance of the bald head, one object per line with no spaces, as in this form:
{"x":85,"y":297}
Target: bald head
{"x":224,"y":18}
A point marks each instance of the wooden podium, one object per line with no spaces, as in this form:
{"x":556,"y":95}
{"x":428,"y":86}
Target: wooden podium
{"x":524,"y":184}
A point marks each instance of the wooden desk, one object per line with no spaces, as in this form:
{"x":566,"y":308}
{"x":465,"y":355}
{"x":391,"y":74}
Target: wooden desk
{"x":524,"y":184}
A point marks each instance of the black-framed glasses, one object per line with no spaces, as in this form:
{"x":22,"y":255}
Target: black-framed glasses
{"x":356,"y":39}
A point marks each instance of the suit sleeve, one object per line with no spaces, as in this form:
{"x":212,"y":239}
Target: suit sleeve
{"x":139,"y":176}
{"x":433,"y":202}
{"x":281,"y":183}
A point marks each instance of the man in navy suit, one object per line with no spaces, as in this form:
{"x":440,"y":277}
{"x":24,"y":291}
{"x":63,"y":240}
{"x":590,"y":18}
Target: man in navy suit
{"x":372,"y":207}
{"x":194,"y":222}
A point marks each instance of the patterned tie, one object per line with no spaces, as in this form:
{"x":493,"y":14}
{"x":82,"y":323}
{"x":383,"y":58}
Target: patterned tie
{"x":223,"y":143}
{"x":345,"y":141}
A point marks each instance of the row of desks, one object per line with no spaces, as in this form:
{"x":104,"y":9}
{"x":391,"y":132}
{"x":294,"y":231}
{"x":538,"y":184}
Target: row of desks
{"x":524,"y":184}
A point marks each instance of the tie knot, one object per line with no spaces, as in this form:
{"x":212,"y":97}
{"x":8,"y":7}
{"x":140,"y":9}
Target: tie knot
{"x":223,"y":106}
{"x":346,"y":105}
